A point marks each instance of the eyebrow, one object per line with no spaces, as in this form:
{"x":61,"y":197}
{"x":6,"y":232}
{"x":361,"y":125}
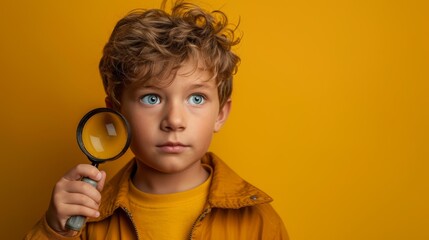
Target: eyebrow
{"x":200,"y":86}
{"x":149,"y":87}
{"x":192,"y":87}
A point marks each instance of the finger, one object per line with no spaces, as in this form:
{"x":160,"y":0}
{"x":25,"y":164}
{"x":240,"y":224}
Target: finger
{"x":83,"y":170}
{"x":80,"y":199}
{"x":78,"y":210}
{"x":59,"y":212}
{"x":80,"y":187}
{"x":64,"y":188}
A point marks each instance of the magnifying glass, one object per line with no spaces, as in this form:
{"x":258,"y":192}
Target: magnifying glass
{"x":103,"y":134}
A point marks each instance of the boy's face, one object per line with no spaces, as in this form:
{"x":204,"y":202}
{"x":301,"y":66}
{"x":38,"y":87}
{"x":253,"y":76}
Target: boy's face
{"x":172,"y":126}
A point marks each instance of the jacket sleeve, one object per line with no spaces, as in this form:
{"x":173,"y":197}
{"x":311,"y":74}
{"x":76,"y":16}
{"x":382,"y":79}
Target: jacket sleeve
{"x":42,"y":231}
{"x":281,"y":233}
{"x":274,"y":228}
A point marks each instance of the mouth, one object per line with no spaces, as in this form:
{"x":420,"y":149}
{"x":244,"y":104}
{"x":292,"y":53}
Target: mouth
{"x":172,"y":147}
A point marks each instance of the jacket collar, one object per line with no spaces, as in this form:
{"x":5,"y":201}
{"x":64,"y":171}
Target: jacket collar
{"x":227,"y":190}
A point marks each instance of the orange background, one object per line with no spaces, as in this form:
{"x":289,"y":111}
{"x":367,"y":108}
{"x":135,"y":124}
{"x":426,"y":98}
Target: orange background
{"x":330,"y":110}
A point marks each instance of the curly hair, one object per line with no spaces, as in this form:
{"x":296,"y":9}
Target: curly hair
{"x":150,"y":45}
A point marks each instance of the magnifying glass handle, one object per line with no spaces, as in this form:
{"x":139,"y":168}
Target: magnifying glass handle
{"x":76,"y":222}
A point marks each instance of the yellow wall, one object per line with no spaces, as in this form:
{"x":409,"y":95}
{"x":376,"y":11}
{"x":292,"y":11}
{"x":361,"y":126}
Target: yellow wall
{"x":330,"y":112}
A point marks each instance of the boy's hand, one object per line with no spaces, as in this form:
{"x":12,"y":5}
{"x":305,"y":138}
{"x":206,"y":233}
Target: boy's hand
{"x":72,"y":197}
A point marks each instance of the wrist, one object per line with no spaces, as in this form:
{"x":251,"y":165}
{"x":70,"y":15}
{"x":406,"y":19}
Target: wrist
{"x":55,"y":229}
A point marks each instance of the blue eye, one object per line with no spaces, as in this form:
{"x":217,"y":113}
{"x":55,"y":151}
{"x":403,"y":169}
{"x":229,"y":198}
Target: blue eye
{"x":196,"y":99}
{"x":150,"y":99}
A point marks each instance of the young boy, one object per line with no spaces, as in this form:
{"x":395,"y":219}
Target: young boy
{"x":170,"y":75}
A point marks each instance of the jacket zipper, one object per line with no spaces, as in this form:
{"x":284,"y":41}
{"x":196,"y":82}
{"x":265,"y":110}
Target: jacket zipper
{"x":199,"y":219}
{"x":132,"y":221}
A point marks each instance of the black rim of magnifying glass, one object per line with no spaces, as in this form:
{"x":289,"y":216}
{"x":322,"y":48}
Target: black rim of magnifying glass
{"x":95,"y":161}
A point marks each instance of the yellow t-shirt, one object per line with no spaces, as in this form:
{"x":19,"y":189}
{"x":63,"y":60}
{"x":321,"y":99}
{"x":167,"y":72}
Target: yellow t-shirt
{"x":167,"y":216}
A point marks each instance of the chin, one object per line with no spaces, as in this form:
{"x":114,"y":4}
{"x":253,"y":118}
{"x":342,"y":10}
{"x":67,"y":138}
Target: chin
{"x":170,"y":164}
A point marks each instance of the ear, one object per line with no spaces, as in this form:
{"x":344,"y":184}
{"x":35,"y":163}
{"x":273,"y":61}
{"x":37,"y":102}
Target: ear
{"x":108,"y":102}
{"x":223,"y":115}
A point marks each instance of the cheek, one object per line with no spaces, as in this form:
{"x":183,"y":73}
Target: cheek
{"x":141,"y":127}
{"x":142,"y":138}
{"x":206,"y":129}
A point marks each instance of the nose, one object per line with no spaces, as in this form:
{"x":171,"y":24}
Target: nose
{"x":174,"y":118}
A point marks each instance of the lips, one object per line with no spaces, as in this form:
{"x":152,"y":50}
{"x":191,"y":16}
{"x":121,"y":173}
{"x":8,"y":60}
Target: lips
{"x":172,"y":147}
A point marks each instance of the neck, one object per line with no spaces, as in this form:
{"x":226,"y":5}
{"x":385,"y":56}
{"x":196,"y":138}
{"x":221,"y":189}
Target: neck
{"x":149,"y":180}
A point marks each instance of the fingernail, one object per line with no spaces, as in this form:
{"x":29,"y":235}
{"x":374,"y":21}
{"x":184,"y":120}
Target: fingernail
{"x":98,"y":177}
{"x":97,"y":214}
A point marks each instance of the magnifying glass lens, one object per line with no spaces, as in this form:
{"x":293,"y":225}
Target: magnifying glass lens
{"x":104,"y":136}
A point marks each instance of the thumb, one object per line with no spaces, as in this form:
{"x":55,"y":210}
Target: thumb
{"x":102,"y":181}
{"x":83,"y":170}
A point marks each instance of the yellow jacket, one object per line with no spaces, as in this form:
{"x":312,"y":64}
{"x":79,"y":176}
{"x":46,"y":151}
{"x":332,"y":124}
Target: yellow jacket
{"x":234,"y":210}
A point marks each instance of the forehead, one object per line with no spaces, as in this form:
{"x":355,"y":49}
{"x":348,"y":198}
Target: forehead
{"x":190,"y":71}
